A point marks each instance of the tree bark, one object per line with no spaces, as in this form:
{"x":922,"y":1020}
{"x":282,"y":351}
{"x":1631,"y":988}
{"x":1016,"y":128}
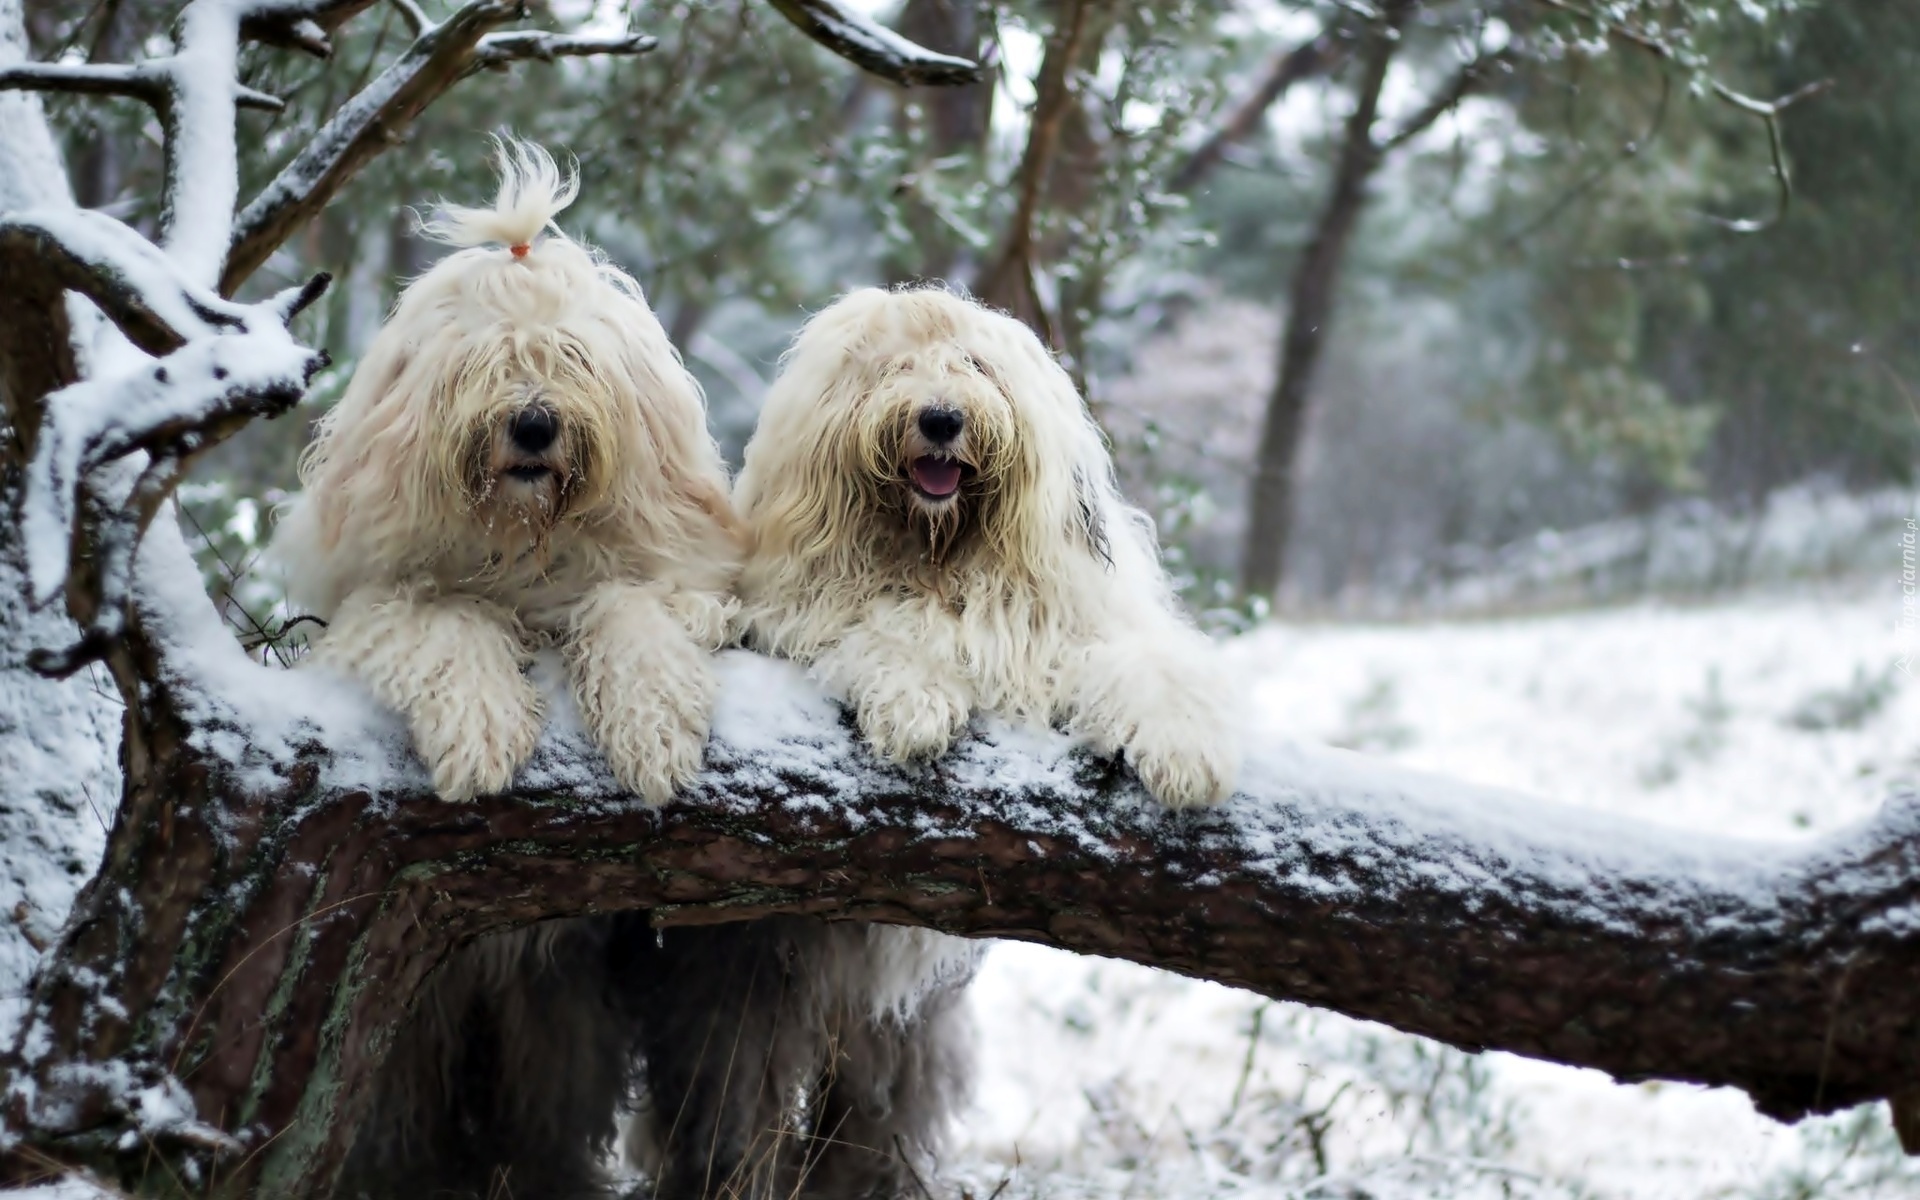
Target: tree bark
{"x":1310,"y":305}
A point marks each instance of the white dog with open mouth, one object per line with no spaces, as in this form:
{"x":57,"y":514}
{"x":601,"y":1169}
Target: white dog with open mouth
{"x":521,"y":460}
{"x":934,"y":526}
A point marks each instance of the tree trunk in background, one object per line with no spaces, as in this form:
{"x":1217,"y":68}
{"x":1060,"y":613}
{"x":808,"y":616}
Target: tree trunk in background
{"x":1310,"y":307}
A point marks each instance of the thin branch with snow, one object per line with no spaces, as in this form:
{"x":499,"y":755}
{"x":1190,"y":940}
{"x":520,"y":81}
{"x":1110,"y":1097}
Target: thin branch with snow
{"x":873,"y":47}
{"x":500,"y":49}
{"x":1768,"y":111}
{"x":222,"y":364}
{"x":86,"y":79}
{"x":378,"y":116}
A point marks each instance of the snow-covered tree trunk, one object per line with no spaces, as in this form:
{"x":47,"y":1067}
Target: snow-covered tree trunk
{"x":278,"y":879}
{"x":59,"y":738}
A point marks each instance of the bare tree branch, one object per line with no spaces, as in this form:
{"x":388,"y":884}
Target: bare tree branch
{"x":377,"y":117}
{"x":1470,"y":76}
{"x":1319,"y":55}
{"x":1768,"y":111}
{"x":873,"y":47}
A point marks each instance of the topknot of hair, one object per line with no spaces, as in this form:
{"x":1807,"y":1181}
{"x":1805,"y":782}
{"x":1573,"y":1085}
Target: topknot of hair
{"x":533,"y":191}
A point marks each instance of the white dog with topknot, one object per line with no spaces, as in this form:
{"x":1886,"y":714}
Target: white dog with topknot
{"x":934,"y":526}
{"x":521,"y":460}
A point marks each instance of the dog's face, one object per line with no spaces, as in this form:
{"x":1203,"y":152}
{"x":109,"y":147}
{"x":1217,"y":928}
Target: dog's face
{"x":525,"y":440}
{"x":922,"y":414}
{"x":934,"y":431}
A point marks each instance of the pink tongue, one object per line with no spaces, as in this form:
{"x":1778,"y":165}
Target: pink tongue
{"x":936,"y":477}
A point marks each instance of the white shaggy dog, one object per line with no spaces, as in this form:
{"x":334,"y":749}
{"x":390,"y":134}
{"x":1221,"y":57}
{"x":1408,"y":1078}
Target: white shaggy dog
{"x":521,"y":460}
{"x":934,"y":526}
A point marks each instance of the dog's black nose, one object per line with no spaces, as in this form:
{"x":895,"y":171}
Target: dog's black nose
{"x":941,"y":425}
{"x":533,"y":429}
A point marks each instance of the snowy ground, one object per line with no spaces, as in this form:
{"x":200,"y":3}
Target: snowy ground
{"x":1768,"y":716}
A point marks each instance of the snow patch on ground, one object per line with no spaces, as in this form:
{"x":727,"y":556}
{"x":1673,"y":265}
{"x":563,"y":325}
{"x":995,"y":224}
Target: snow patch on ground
{"x":1767,"y":717}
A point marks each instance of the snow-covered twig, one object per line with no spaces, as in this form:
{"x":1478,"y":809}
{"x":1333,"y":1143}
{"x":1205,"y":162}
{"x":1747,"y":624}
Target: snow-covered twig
{"x":223,"y":364}
{"x":499,"y":49}
{"x":86,"y":79}
{"x":873,"y":47}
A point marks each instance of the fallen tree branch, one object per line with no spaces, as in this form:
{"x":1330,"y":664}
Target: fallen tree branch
{"x":873,"y":47}
{"x":311,"y":881}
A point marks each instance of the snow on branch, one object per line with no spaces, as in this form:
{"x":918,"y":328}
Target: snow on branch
{"x":222,"y":364}
{"x":873,"y":47}
{"x":1482,"y":918}
{"x":128,"y":277}
{"x":377,"y":117}
{"x":499,"y":49}
{"x":86,"y":79}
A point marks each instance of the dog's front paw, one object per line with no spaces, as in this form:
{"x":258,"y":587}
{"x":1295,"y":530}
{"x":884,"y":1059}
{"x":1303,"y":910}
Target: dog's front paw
{"x":474,"y":743}
{"x":656,"y":741}
{"x":1183,"y":763}
{"x":907,"y":723}
{"x":1171,"y":717}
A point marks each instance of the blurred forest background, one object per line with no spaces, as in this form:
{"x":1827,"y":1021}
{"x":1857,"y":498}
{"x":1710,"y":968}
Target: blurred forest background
{"x":1558,"y":331}
{"x":1390,"y":308}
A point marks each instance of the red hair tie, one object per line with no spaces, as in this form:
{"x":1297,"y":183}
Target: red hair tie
{"x":519,"y":249}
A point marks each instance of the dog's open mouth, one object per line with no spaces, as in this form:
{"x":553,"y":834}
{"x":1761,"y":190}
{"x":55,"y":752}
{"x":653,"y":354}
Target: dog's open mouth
{"x":935,"y":477}
{"x":529,"y":472}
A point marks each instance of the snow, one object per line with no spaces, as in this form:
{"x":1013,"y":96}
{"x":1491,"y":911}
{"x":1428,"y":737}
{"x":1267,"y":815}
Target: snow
{"x":30,"y":171}
{"x":91,"y":421}
{"x":1105,"y":1079}
{"x":115,"y":250}
{"x":203,"y":176}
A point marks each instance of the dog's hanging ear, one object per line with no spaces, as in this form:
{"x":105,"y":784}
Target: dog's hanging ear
{"x":1092,"y":523}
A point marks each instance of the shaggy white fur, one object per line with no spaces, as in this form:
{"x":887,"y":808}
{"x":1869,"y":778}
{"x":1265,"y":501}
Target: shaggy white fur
{"x":520,"y":460}
{"x":933,"y":525}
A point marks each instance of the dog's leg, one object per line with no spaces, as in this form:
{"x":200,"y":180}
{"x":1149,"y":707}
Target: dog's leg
{"x":641,"y":660}
{"x":452,"y":665}
{"x":882,"y":1113}
{"x":505,"y":1079}
{"x":1157,"y":695}
{"x":899,"y":667}
{"x":724,"y":1049}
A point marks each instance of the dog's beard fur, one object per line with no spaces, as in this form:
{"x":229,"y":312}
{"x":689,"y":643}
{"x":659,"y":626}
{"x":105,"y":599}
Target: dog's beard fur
{"x":892,"y":459}
{"x":517,"y":498}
